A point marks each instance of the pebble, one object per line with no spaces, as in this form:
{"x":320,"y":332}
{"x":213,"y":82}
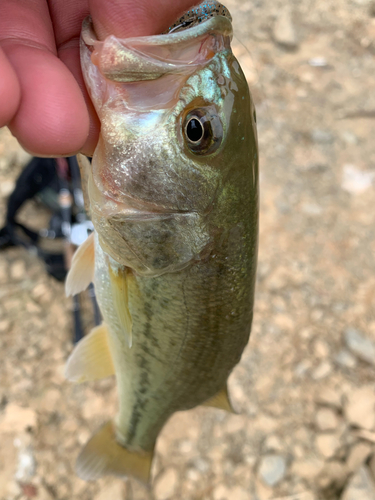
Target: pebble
{"x":361,"y":346}
{"x":328,"y":397}
{"x":322,"y":370}
{"x":360,"y":407}
{"x":222,"y":492}
{"x":322,"y":136}
{"x":16,"y":419}
{"x":272,"y":469}
{"x":356,"y":181}
{"x":284,"y":31}
{"x":167,"y":484}
{"x":360,"y":486}
{"x":113,"y":491}
{"x":272,"y":443}
{"x":326,"y":419}
{"x":333,"y":476}
{"x":327,"y":444}
{"x":345,"y":359}
{"x":18,"y":270}
{"x":4,"y":325}
{"x":6,"y":187}
{"x":358,"y":455}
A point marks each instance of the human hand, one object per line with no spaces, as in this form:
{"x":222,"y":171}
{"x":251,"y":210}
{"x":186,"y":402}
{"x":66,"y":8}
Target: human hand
{"x":43,"y":99}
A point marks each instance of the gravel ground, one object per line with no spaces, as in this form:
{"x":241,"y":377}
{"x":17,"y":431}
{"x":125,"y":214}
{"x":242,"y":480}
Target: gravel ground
{"x":305,"y":386}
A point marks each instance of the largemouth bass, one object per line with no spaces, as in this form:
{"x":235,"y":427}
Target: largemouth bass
{"x":173,"y":196}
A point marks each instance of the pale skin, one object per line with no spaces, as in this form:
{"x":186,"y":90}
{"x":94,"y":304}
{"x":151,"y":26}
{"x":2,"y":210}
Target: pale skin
{"x":43,"y":99}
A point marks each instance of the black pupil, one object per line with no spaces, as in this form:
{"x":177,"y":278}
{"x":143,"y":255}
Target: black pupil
{"x":194,"y":130}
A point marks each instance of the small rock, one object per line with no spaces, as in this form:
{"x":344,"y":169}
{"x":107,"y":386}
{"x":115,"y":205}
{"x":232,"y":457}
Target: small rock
{"x":26,"y":466}
{"x":322,"y":370}
{"x":372,"y":466}
{"x":42,"y":294}
{"x":326,"y":419}
{"x":345,"y":359}
{"x":356,"y":181}
{"x":333,"y":476}
{"x":322,"y":136}
{"x":318,"y":62}
{"x":29,"y":490}
{"x":361,"y":346}
{"x":18,"y":270}
{"x":360,"y":408}
{"x":321,"y":349}
{"x":327,"y":444}
{"x":4,"y":325}
{"x":166,"y":484}
{"x":113,"y":491}
{"x":272,"y":469}
{"x":360,"y":486}
{"x":17,"y":419}
{"x":328,"y":397}
{"x":239,"y":494}
{"x":272,"y":443}
{"x":307,"y":469}
{"x":358,"y":456}
{"x":222,"y":492}
{"x":284,"y":32}
{"x":6,"y":187}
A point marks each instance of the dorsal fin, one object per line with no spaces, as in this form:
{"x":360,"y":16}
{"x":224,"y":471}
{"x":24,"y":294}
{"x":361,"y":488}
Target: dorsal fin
{"x":81,"y":273}
{"x":91,"y":358}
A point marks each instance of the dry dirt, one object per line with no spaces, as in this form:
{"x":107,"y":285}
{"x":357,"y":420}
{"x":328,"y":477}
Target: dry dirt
{"x":305,"y":385}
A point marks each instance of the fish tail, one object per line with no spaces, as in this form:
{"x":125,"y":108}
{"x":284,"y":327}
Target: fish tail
{"x":104,"y":455}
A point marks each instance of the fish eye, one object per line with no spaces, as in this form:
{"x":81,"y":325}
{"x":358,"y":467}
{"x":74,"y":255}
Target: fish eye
{"x":203,"y":131}
{"x":194,"y":129}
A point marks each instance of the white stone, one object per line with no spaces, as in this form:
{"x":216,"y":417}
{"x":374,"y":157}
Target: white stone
{"x":272,"y":469}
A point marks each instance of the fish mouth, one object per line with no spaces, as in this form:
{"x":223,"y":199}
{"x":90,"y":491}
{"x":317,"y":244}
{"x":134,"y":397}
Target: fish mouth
{"x":191,"y":42}
{"x":128,"y":208}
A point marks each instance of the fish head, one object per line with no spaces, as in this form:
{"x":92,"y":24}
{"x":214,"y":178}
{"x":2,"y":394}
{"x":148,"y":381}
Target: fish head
{"x":170,"y":108}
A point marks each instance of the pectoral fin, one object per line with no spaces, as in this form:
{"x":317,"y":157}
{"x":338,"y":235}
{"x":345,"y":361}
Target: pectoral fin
{"x":120,"y":294}
{"x":81,"y":273}
{"x":103,"y":455}
{"x":91,"y":358}
{"x":221,"y":401}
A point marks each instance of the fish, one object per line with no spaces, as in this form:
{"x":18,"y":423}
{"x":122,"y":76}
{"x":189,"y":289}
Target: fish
{"x":173,"y":196}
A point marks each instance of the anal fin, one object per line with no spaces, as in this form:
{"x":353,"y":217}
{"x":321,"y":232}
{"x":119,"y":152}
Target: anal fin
{"x":103,"y":455}
{"x":91,"y":358}
{"x":120,"y":292}
{"x":221,"y":401}
{"x":81,"y":272}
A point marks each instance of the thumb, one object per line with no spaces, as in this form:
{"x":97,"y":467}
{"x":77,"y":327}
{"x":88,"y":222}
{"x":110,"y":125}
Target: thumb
{"x":128,"y":18}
